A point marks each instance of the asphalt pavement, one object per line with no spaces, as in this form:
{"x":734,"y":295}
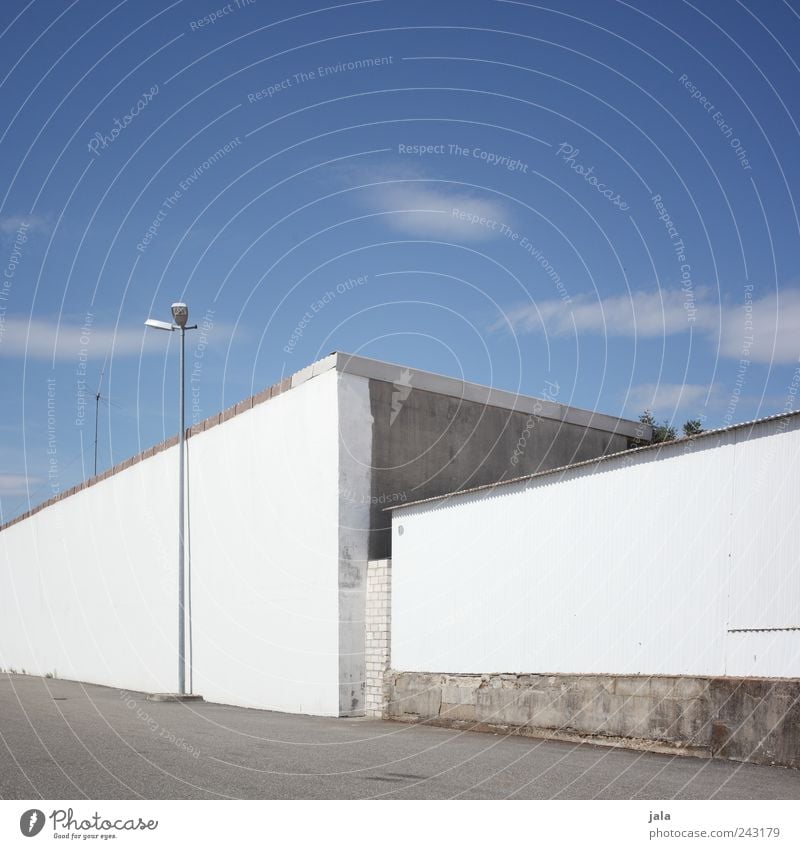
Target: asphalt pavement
{"x":66,"y":740}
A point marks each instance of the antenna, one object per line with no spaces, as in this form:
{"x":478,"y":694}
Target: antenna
{"x":97,"y":415}
{"x":98,"y":397}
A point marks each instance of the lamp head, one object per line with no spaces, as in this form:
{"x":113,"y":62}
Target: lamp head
{"x":180,"y":313}
{"x":158,"y":325}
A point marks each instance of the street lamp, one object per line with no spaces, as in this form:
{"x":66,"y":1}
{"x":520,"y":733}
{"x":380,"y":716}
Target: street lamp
{"x":180,"y":315}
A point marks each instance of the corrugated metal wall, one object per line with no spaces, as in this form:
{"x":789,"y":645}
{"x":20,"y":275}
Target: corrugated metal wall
{"x":650,"y":563}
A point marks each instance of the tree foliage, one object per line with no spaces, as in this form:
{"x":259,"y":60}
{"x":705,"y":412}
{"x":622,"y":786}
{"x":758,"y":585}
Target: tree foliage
{"x":663,"y":431}
{"x":692,"y":427}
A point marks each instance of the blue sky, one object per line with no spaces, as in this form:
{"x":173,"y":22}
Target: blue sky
{"x":598,"y":194}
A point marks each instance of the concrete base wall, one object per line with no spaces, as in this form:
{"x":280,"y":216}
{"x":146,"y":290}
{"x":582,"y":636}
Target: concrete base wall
{"x":742,"y":719}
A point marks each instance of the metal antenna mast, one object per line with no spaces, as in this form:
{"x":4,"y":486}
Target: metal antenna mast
{"x":96,"y":415}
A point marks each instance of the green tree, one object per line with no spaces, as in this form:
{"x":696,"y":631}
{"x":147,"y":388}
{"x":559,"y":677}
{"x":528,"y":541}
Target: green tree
{"x":648,"y":418}
{"x":692,"y":427}
{"x":663,"y":432}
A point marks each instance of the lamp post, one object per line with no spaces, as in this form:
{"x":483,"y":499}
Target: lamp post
{"x":180,"y":316}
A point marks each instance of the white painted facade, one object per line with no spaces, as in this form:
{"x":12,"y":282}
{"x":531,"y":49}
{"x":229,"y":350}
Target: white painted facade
{"x":88,"y":588}
{"x":264,"y":535}
{"x":658,"y":562}
{"x":88,"y":585}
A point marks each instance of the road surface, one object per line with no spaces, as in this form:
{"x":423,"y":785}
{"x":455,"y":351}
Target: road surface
{"x":65,"y":740}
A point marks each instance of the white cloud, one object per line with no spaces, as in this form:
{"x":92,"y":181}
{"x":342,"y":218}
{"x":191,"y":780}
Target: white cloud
{"x":430,"y":211}
{"x":658,"y":313}
{"x":669,"y":396}
{"x":9,"y":224}
{"x":773,"y":323}
{"x":769,"y":332}
{"x":44,"y":339}
{"x":16,"y":484}
{"x":420,"y":206}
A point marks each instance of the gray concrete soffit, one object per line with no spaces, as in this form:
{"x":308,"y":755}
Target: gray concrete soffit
{"x":455,"y":388}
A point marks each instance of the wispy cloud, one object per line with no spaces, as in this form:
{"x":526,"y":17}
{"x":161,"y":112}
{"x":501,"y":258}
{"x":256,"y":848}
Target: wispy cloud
{"x":16,"y":484}
{"x":766,"y":330}
{"x":10,"y":224}
{"x":418,"y":205}
{"x":648,"y":314}
{"x":769,"y":333}
{"x":428,"y":210}
{"x":670,"y":396}
{"x":46,"y":339}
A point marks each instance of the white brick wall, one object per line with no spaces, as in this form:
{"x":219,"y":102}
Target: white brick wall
{"x":378,"y":636}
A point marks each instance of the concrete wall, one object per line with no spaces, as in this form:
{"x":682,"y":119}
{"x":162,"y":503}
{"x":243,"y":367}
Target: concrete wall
{"x":88,"y":585}
{"x":427,"y":444}
{"x":354,"y":453}
{"x":398,"y":442}
{"x":672,"y":561}
{"x":755,"y":719}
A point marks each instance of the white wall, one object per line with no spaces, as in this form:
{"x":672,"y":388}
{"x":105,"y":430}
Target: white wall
{"x":87,"y":590}
{"x":639,"y":565}
{"x":265,"y":541}
{"x":88,"y":586}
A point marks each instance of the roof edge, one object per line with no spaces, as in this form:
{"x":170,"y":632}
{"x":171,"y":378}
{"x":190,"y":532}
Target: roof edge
{"x":377,"y":370}
{"x":490,"y":396}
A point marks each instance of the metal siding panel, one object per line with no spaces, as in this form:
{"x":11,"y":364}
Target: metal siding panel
{"x":765,"y":580}
{"x":767,"y":654}
{"x":620,"y":569}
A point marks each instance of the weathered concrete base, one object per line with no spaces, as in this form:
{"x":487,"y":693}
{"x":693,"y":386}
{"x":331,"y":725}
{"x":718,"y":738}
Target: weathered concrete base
{"x":742,"y":719}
